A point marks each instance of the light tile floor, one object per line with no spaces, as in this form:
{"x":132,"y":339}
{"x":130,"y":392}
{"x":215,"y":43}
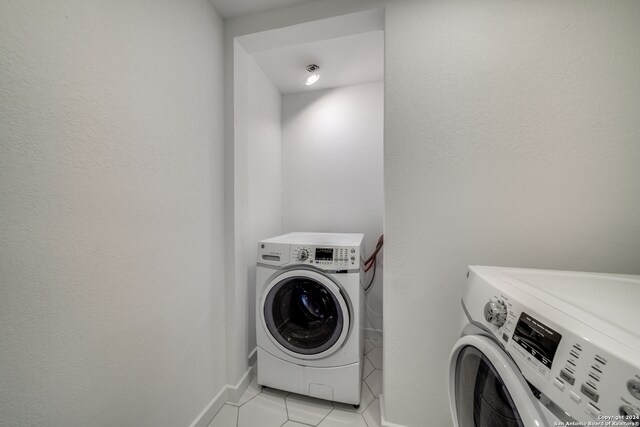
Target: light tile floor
{"x":275,"y":408}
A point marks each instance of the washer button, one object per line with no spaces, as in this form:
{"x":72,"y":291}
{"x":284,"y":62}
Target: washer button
{"x":590,"y":393}
{"x":575,"y":397}
{"x":591,"y":409}
{"x":565,"y":375}
{"x":558,"y":383}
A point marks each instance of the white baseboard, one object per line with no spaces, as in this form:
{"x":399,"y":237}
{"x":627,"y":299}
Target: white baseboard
{"x":229,"y":393}
{"x":383,"y":418}
{"x":211,"y":409}
{"x":234,"y":393}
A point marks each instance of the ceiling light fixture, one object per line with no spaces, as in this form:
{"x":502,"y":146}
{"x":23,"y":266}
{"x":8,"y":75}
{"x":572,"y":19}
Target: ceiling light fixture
{"x":315,"y":74}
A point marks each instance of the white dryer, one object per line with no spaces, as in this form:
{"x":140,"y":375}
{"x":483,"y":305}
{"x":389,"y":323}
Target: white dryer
{"x":545,"y":348}
{"x":309,"y":314}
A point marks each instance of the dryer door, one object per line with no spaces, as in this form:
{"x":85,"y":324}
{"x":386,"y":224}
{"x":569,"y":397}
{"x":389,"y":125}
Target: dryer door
{"x":305,"y":314}
{"x":486,"y":388}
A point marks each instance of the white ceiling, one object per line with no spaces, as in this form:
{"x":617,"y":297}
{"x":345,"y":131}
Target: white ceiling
{"x":229,"y":9}
{"x":343,"y":61}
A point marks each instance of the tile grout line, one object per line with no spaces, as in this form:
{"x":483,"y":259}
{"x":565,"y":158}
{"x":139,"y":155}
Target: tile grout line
{"x":238,"y":416}
{"x":371,"y":391}
{"x":364,"y":419}
{"x":284,"y":397}
{"x":319,"y":422}
{"x":333,"y":407}
{"x":286,"y":408}
{"x":366,"y":356}
{"x":374,"y":368}
{"x":325,"y":417}
{"x":252,"y":397}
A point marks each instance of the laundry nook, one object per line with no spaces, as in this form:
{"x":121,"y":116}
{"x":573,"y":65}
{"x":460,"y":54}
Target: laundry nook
{"x":319,"y":213}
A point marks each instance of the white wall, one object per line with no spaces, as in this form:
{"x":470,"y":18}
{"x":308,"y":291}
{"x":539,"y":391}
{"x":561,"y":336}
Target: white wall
{"x":256,"y":199}
{"x":111,"y":215}
{"x":264,"y":174}
{"x":332,"y":167}
{"x":237,"y":217}
{"x":511,"y":139}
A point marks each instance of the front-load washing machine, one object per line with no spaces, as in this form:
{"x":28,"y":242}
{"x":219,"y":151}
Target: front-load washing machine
{"x":309,"y":314}
{"x":547,"y":348}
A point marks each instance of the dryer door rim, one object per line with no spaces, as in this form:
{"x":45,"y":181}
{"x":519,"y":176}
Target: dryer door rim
{"x":523,"y":399}
{"x":332,"y":287}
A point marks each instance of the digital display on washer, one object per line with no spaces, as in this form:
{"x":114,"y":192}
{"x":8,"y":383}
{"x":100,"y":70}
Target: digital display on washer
{"x":537,"y":339}
{"x":324,"y":254}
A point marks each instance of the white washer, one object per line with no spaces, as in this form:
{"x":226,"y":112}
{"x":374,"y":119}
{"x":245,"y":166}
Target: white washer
{"x":309,"y":314}
{"x":545,"y":348}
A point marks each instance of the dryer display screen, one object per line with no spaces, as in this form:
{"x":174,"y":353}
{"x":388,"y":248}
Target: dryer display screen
{"x":537,"y":339}
{"x":324,"y":254}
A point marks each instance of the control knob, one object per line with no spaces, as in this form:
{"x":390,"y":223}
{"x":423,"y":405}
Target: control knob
{"x":303,"y":255}
{"x":629,"y":414}
{"x":634,"y":388}
{"x":495,"y":312}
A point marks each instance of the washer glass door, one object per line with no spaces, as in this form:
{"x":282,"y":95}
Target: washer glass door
{"x":305,"y":313}
{"x":481,"y":394}
{"x":487,"y":388}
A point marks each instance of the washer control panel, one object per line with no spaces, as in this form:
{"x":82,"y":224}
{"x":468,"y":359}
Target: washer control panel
{"x":327,"y":257}
{"x":576,"y":366}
